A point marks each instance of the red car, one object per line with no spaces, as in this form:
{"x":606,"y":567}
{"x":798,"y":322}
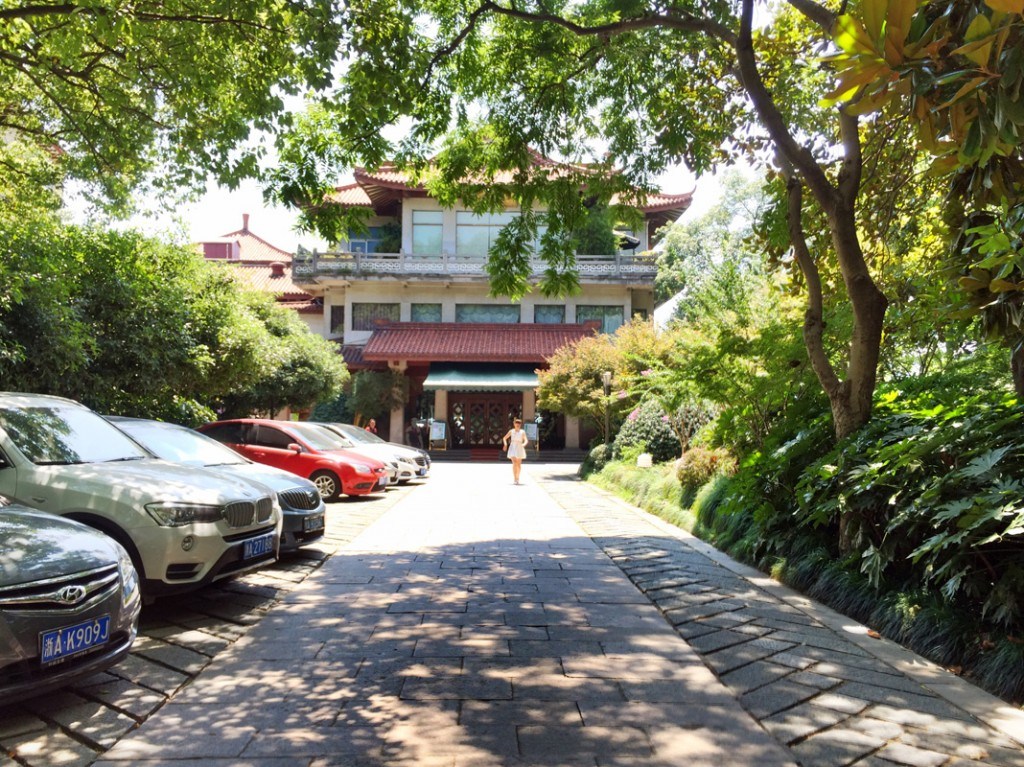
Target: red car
{"x":303,"y":449}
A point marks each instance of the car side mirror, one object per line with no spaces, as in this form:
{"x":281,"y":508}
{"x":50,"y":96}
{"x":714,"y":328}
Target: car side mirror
{"x":295,"y":448}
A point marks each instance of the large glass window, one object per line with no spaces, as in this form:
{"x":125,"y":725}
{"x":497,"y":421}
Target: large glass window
{"x":476,"y":234}
{"x":548,"y":314}
{"x":477,"y":313}
{"x":427,"y":232}
{"x":425,"y":312}
{"x":610,"y":317}
{"x":366,"y":316}
{"x":365,"y":242}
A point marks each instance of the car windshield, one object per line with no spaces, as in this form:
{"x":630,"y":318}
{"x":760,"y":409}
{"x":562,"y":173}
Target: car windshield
{"x":360,"y":435}
{"x":61,"y":434}
{"x":181,"y":445}
{"x":319,"y":437}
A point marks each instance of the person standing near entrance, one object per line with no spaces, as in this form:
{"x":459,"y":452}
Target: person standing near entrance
{"x":514,"y":443}
{"x":371,"y":426}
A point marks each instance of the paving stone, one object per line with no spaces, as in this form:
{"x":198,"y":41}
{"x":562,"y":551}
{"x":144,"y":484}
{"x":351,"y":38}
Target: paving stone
{"x":550,"y":741}
{"x":708,"y":643}
{"x":836,"y":747}
{"x":800,"y":721}
{"x":754,"y":675}
{"x":457,"y":688}
{"x":729,"y":658}
{"x":475,"y":713}
{"x":98,"y":725}
{"x":900,"y":699}
{"x":51,"y":748}
{"x":775,"y":697}
{"x":899,"y":753}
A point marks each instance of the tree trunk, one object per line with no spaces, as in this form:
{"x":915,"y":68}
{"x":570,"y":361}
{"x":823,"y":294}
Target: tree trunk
{"x":1017,"y":368}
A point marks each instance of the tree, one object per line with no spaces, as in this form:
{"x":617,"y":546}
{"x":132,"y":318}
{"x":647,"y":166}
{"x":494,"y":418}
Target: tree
{"x":656,"y":83}
{"x":957,"y":69}
{"x":111,"y":90}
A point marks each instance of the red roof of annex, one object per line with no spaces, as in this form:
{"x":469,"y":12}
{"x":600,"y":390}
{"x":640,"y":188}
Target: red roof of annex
{"x":458,"y":342}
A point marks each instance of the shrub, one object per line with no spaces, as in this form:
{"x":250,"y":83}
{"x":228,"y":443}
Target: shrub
{"x":596,"y":459}
{"x":699,"y":464}
{"x":647,"y":426}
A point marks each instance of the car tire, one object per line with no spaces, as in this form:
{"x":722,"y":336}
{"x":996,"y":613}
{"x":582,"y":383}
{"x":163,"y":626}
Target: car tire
{"x":328,"y":483}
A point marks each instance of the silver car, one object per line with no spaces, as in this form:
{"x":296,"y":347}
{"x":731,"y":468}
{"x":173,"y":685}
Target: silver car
{"x":301,"y":505}
{"x":69,"y":602}
{"x":413,"y":463}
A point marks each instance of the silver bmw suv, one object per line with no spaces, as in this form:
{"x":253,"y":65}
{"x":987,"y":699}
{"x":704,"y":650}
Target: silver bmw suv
{"x":182,"y":526}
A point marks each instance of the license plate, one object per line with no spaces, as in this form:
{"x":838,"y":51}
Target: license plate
{"x":421,"y":473}
{"x":258,"y":547}
{"x":60,"y":644}
{"x":313,"y":523}
{"x":382,"y":482}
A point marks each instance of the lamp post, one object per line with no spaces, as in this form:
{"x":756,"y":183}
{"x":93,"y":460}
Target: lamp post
{"x":606,"y":381}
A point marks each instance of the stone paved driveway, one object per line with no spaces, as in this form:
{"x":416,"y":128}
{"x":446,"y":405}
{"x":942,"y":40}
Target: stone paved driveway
{"x":477,"y":623}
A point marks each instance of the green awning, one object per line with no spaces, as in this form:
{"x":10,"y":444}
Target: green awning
{"x":480,"y":377}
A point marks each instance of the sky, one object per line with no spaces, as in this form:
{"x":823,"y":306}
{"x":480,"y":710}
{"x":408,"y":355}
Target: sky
{"x":220,"y":211}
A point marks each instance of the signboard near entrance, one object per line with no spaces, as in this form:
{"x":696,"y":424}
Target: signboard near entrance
{"x":438,"y":435}
{"x":531,"y":435}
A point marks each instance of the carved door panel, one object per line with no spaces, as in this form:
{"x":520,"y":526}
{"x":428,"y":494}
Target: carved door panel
{"x":481,"y":420}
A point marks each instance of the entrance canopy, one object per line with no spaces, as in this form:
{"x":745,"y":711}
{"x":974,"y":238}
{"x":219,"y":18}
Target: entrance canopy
{"x":467,"y":376}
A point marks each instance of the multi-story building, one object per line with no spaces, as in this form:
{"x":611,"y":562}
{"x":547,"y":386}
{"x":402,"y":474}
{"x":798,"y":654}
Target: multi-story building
{"x":412,"y":295}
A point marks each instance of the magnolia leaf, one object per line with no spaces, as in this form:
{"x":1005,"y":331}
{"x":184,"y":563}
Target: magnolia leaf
{"x":1006,"y":6}
{"x":979,"y":28}
{"x":874,"y":13}
{"x":1003,"y":286}
{"x":851,"y":36}
{"x":972,"y":285}
{"x":971,"y":85}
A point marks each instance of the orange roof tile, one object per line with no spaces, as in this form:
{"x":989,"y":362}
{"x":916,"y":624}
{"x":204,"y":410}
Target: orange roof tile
{"x":254,"y":248}
{"x":457,"y":342}
{"x":260,"y":276}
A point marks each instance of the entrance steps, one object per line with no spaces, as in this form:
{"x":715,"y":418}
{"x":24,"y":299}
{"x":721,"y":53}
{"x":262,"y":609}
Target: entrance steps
{"x":496,"y":455}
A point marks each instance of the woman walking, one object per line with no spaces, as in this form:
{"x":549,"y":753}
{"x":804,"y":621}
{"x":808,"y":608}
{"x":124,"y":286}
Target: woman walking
{"x":514,"y":442}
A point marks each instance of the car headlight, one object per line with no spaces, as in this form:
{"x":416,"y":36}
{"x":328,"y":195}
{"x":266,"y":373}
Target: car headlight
{"x":129,"y":577}
{"x":176,"y":514}
{"x":362,"y":468}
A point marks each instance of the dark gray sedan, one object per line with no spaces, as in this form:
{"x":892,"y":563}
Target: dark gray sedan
{"x":69,"y":602}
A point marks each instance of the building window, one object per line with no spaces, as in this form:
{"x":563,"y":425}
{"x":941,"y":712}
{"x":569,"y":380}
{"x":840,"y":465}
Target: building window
{"x":475,"y":235}
{"x":366,"y":316}
{"x":364,"y":242}
{"x":427,"y":232}
{"x":610,"y":317}
{"x":549,"y":314}
{"x":476,"y":313}
{"x":426,"y":313}
{"x":338,"y":320}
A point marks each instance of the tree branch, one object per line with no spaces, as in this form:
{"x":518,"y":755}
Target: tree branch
{"x":814,"y":322}
{"x":819,"y":14}
{"x":798,"y":156}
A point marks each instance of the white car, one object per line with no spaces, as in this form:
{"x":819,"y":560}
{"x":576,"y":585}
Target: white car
{"x":415,"y":463}
{"x":183,"y":526}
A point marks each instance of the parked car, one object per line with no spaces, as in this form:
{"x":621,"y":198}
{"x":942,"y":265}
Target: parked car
{"x":421,"y":458}
{"x":302,"y":449}
{"x":69,"y":602}
{"x":182,"y":526}
{"x":403,"y":458}
{"x":302,"y":507}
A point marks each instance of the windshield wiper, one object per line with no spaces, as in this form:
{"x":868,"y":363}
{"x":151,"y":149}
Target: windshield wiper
{"x":126,"y":458}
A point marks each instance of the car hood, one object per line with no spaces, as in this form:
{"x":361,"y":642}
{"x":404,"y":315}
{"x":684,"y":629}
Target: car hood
{"x":37,"y":546}
{"x":155,"y":480}
{"x":277,"y":480}
{"x":380,"y":452}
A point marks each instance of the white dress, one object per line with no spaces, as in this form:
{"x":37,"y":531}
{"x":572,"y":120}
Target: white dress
{"x":515,"y":444}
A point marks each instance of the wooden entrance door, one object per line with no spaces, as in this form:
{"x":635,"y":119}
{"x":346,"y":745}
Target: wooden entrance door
{"x":481,"y":419}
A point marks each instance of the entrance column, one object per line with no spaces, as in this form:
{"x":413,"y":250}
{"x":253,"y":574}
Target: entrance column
{"x":572,"y":432}
{"x":397,"y":431}
{"x":529,"y":406}
{"x":441,"y":405}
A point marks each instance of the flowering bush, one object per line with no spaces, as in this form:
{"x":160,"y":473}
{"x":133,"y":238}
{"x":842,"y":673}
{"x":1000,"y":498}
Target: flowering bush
{"x":647,"y":426}
{"x":700,"y":464}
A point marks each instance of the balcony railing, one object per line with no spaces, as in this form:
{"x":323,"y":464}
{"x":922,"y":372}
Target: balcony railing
{"x":311,"y":265}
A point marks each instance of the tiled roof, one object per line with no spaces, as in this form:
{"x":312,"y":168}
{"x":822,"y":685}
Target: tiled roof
{"x":253,"y":248}
{"x":457,"y":342}
{"x":260,"y":276}
{"x":311,"y":306}
{"x":353,"y":356}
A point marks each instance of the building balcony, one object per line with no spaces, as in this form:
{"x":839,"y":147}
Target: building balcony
{"x":314,"y":267}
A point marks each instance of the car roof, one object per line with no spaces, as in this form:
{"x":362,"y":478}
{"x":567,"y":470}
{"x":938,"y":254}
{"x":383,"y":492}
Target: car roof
{"x":23,"y":399}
